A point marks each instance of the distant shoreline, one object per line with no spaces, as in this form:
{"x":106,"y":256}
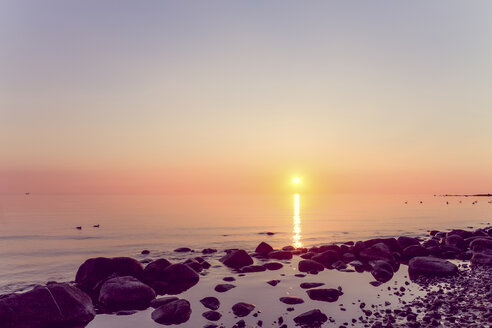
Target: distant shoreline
{"x":475,"y":195}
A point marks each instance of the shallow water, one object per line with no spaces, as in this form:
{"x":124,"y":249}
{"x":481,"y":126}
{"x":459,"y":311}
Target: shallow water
{"x":39,"y":242}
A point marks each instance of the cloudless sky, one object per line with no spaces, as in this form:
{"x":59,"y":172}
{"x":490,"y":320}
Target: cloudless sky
{"x":240,"y":96}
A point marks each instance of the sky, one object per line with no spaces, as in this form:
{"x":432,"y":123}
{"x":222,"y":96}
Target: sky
{"x":241,"y":96}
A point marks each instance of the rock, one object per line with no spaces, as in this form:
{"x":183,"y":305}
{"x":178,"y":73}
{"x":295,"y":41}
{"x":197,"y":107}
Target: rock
{"x":237,"y":259}
{"x":481,"y":243}
{"x":348,"y":257}
{"x":455,"y":241}
{"x":175,"y":279}
{"x":404,"y":242}
{"x":182,"y":250}
{"x":222,"y":288}
{"x":153,"y":275}
{"x":126,"y":312}
{"x":53,"y":305}
{"x":391,"y":243}
{"x":229,"y":279}
{"x":335,"y":248}
{"x":308,"y":255}
{"x":263,"y":248}
{"x":209,"y":251}
{"x":173,"y":313}
{"x":212,"y":315}
{"x":280,"y":255}
{"x":312,"y":319}
{"x":310,"y":266}
{"x":382,"y":271}
{"x":288,"y":248}
{"x":273,"y":266}
{"x":253,"y":268}
{"x":325,"y":295}
{"x":291,"y":300}
{"x":431,"y":266}
{"x":242,"y":309}
{"x":327,"y":258}
{"x":145,"y":252}
{"x":210,"y":302}
{"x":155,"y":303}
{"x":273,"y":282}
{"x":481,"y":259}
{"x":379,"y":251}
{"x":414,"y":251}
{"x":95,"y":270}
{"x":308,"y":285}
{"x":194,"y":264}
{"x":125,"y":293}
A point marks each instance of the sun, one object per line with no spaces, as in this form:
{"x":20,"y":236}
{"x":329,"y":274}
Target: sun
{"x":297,"y":180}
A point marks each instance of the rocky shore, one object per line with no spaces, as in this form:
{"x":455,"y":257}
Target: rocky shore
{"x":450,"y":269}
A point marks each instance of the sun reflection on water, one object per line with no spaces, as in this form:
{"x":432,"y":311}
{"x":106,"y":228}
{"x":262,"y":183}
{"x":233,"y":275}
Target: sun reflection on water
{"x":296,"y":231}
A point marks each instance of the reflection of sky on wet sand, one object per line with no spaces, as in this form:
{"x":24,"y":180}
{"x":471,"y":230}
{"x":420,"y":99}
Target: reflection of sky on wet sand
{"x":296,"y":231}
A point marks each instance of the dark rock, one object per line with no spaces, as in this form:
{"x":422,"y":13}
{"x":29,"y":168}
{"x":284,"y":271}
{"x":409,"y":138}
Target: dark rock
{"x":125,"y":293}
{"x":175,"y":279}
{"x":382,"y":271}
{"x":431,"y":243}
{"x":242,"y":309}
{"x":308,"y":285}
{"x":309,"y":266}
{"x":237,"y":259}
{"x":194,"y":264}
{"x":145,"y":252}
{"x":126,"y":312}
{"x":182,"y":250}
{"x":327,"y":258}
{"x":280,"y":255}
{"x":291,"y":300}
{"x":481,"y":243}
{"x":253,"y":268}
{"x":172,"y":313}
{"x":322,"y":294}
{"x":348,"y":257}
{"x":263,"y":248}
{"x":481,"y":259}
{"x":379,"y":251}
{"x":222,"y":288}
{"x":391,"y":243}
{"x":273,"y":266}
{"x":414,"y":251}
{"x":209,"y":251}
{"x":95,"y":270}
{"x":273,"y":282}
{"x":212,"y":315}
{"x":455,"y":241}
{"x":404,"y":242}
{"x":155,"y":303}
{"x":54,"y":305}
{"x":308,"y":255}
{"x":229,"y":279}
{"x":312,"y":319}
{"x":210,"y":302}
{"x":288,"y":248}
{"x":431,"y":266}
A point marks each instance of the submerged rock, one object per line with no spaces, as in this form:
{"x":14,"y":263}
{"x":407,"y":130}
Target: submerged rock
{"x":173,"y":313}
{"x":312,"y":319}
{"x":182,"y":250}
{"x":431,"y":266}
{"x":125,"y":293}
{"x":242,"y":309}
{"x":53,"y":305}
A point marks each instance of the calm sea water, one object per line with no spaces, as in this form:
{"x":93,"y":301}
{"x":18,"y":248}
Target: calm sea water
{"x":39,"y":241}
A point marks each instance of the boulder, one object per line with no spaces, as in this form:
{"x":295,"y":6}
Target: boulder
{"x":310,"y":266}
{"x":481,"y":243}
{"x":210,"y":302}
{"x":125,"y":293}
{"x":430,"y":266}
{"x":291,"y":300}
{"x":288,"y":248}
{"x":404,"y":241}
{"x":172,"y":313}
{"x":481,"y":259}
{"x":182,"y":250}
{"x":379,"y":251}
{"x":237,"y":259}
{"x":334,"y":248}
{"x":153,"y":270}
{"x":263,"y":248}
{"x":172,"y":279}
{"x":155,"y":303}
{"x":382,"y":271}
{"x":414,"y":251}
{"x":222,"y":288}
{"x":313,"y":319}
{"x":327,"y":258}
{"x":94,"y":270}
{"x":194,"y":264}
{"x":242,"y":309}
{"x":209,"y":251}
{"x":308,"y":285}
{"x":253,"y":268}
{"x":455,"y":241}
{"x":308,"y":255}
{"x":212,"y":315}
{"x":392,"y":243}
{"x":323,"y":294}
{"x":280,"y":255}
{"x":53,"y":305}
{"x":273,"y":266}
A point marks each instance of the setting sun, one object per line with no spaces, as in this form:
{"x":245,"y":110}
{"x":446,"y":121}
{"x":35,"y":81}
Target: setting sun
{"x":297,"y":180}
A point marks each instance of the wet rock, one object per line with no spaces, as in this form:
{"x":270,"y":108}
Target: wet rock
{"x":212,"y":315}
{"x":237,"y":259}
{"x":291,"y":300}
{"x":125,"y":293}
{"x":175,"y":279}
{"x":172,"y":313}
{"x":332,"y":247}
{"x":326,"y":258}
{"x":404,"y":242}
{"x":313,"y":319}
{"x":481,"y":259}
{"x":273,"y":282}
{"x":253,"y":268}
{"x":348,"y":257}
{"x":273,"y":266}
{"x":280,"y":255}
{"x":379,"y":251}
{"x":263,"y":248}
{"x":126,"y":312}
{"x":210,"y":302}
{"x":155,"y":303}
{"x":481,"y":243}
{"x":382,"y":271}
{"x":322,"y":294}
{"x":222,"y":288}
{"x":309,"y":266}
{"x":53,"y":305}
{"x":455,"y":241}
{"x":308,"y":255}
{"x":308,"y":285}
{"x":209,"y":251}
{"x":145,"y":252}
{"x":391,"y":243}
{"x":229,"y":279}
{"x":414,"y":251}
{"x":431,"y":266}
{"x":95,"y":270}
{"x":242,"y":309}
{"x":194,"y":264}
{"x":288,"y":248}
{"x":182,"y":250}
